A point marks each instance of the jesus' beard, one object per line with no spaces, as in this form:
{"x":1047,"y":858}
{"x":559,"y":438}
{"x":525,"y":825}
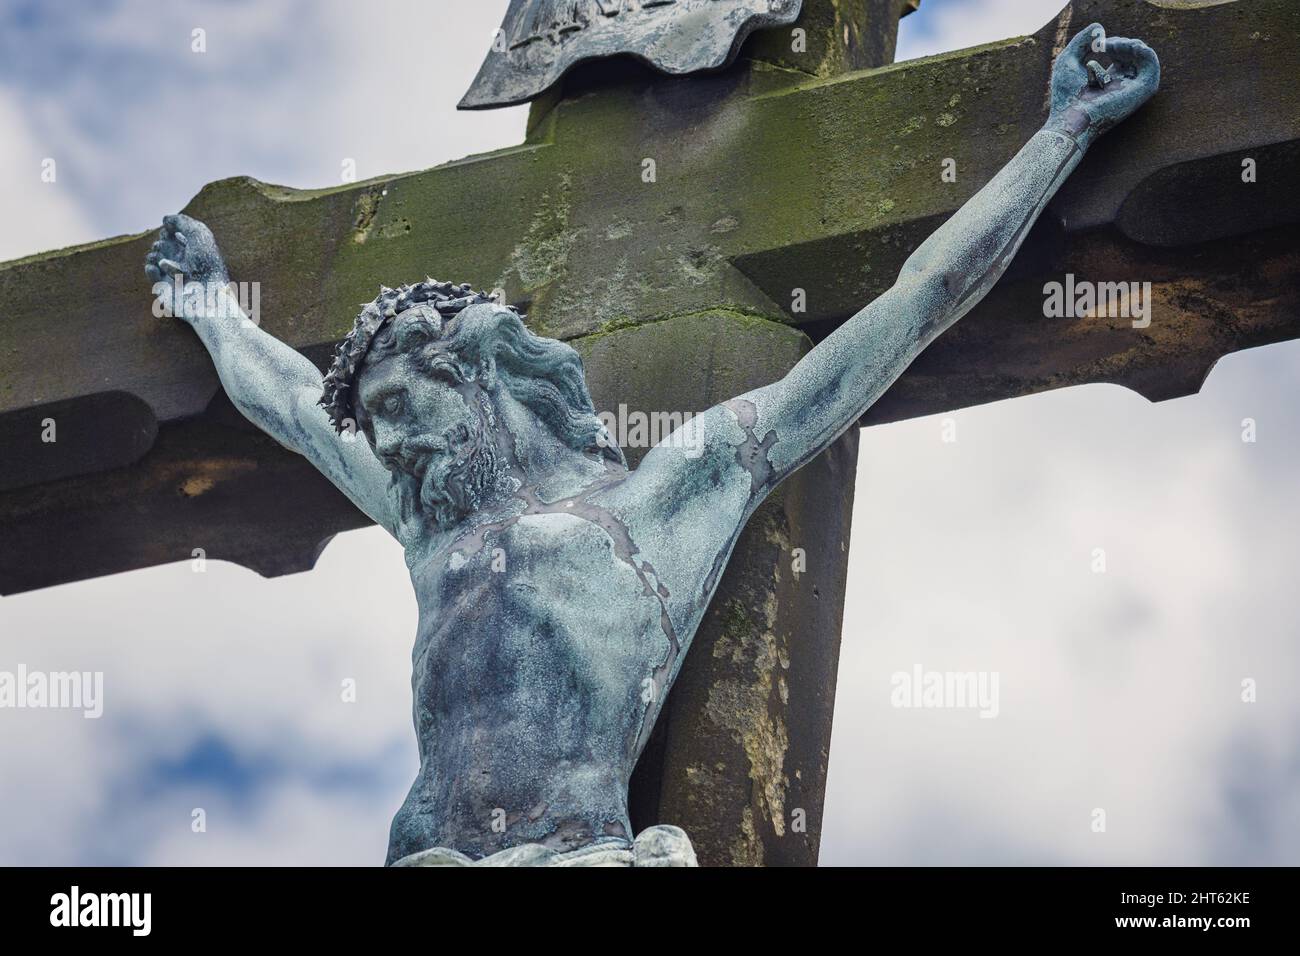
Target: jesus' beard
{"x":457,"y":476}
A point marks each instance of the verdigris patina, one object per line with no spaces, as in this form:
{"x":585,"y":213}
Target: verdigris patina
{"x":540,"y":39}
{"x":558,"y":590}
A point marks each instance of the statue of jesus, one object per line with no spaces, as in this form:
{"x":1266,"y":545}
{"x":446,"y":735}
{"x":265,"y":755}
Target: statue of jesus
{"x":559,"y":590}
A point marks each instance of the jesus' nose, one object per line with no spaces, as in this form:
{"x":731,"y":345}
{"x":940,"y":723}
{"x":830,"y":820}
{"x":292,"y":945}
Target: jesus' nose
{"x":388,"y":444}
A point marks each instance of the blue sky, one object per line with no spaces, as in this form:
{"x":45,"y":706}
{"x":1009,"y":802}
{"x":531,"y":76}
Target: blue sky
{"x":222,"y":689}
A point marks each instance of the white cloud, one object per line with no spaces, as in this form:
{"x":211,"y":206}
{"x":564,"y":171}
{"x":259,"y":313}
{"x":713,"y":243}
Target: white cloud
{"x":190,"y":658}
{"x":1118,"y":690}
{"x":35,"y":214}
{"x":284,"y":93}
{"x":957,"y":24}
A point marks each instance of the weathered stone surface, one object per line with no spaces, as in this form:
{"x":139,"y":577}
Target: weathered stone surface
{"x":210,"y":483}
{"x":828,"y":186}
{"x":838,"y":37}
{"x":824,"y":185}
{"x":74,"y":437}
{"x":686,"y":364}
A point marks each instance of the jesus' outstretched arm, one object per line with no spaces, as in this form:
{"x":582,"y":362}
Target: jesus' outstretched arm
{"x":794,"y":419}
{"x":271,"y":383}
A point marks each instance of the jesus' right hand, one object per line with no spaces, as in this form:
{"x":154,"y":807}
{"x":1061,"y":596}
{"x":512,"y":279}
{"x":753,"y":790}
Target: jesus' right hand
{"x":187,"y":269}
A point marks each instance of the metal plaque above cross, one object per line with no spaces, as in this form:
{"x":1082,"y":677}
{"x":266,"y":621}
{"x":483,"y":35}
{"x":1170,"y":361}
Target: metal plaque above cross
{"x":539,"y":40}
{"x":690,"y":236}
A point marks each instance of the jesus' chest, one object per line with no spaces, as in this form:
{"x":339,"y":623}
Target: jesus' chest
{"x":558,"y":593}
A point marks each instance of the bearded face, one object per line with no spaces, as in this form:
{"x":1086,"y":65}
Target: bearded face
{"x":435,"y":435}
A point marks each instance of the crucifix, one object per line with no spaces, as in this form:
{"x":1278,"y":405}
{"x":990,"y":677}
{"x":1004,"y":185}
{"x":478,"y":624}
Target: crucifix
{"x":797,"y":195}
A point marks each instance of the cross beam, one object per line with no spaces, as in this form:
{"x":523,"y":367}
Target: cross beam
{"x":767,"y":180}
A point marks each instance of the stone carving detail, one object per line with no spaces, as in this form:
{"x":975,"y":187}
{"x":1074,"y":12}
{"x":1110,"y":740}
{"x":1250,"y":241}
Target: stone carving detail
{"x":540,"y":39}
{"x":654,"y":847}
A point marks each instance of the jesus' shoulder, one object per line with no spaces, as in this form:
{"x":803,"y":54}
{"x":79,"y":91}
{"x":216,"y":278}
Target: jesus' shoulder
{"x":688,"y":500}
{"x":720,"y":465}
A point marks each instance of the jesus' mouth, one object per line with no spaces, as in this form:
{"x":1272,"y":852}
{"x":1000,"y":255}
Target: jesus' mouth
{"x":445,"y":479}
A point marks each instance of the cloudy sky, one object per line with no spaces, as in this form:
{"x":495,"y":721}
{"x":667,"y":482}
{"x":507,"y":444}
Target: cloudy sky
{"x":1119,"y":691}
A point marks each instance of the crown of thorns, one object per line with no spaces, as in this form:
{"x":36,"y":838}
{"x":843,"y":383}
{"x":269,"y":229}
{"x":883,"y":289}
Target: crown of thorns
{"x":339,"y":396}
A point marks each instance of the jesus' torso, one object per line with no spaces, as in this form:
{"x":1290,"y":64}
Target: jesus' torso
{"x":550,"y":632}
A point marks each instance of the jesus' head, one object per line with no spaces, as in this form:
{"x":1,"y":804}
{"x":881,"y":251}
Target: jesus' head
{"x":423,"y":375}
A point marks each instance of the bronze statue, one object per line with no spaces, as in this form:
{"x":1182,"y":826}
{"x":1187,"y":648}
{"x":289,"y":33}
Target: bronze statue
{"x":558,"y":590}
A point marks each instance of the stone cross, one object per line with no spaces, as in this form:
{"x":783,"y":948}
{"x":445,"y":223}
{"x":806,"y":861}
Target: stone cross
{"x":690,"y":236}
